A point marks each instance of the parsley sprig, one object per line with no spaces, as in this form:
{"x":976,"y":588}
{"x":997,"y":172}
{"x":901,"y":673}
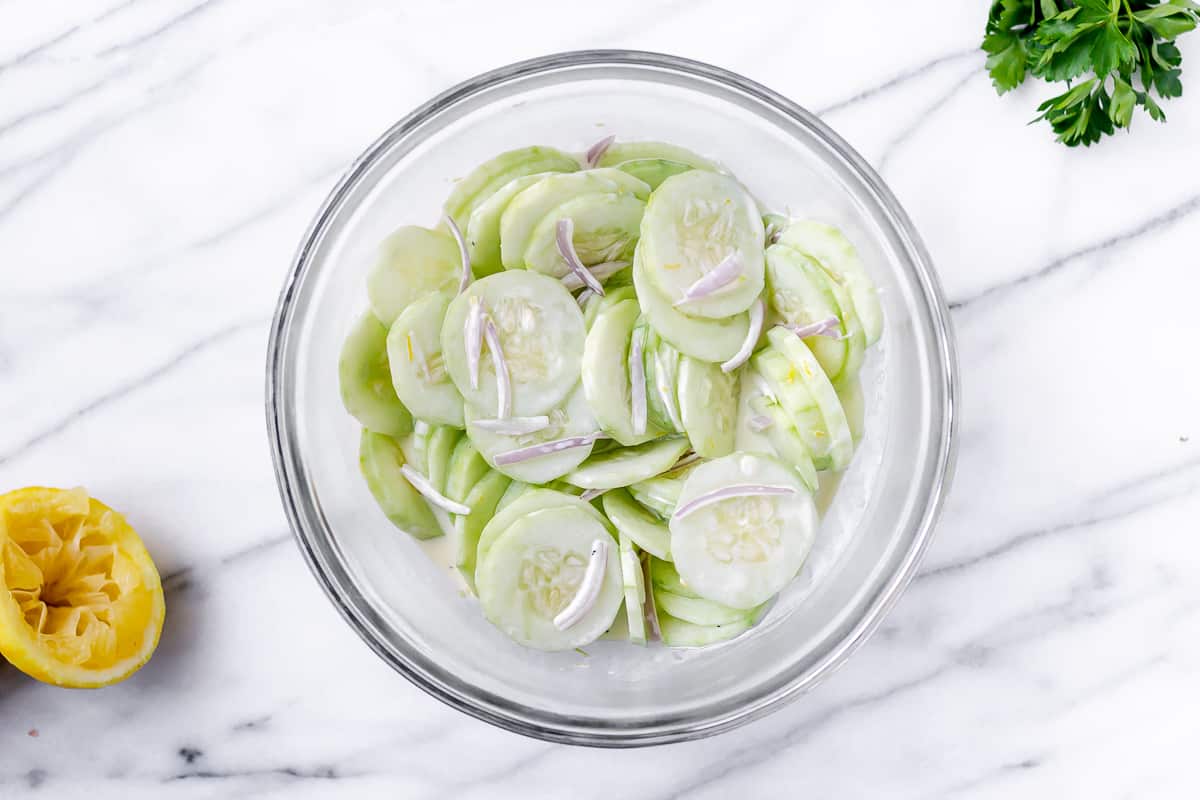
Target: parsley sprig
{"x":1114,"y":55}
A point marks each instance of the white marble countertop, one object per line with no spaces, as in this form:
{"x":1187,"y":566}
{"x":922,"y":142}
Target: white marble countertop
{"x":158,"y":163}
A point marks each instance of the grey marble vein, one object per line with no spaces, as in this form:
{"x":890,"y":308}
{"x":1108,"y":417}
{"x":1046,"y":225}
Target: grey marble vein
{"x":122,"y":391}
{"x":923,"y":118}
{"x":49,"y":44}
{"x":1158,"y":222}
{"x":154,"y":33}
{"x":758,"y":752}
{"x":897,"y":81}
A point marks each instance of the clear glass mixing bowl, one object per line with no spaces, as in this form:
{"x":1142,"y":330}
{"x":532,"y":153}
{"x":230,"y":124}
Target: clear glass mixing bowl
{"x":405,"y":606}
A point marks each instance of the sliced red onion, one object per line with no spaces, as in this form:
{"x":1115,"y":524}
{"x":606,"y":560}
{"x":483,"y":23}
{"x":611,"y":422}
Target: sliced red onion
{"x":583,"y":297}
{"x":503,"y":383}
{"x":827,"y":327}
{"x":758,"y":313}
{"x":422,"y":485}
{"x":513,"y":426}
{"x":589,"y":587}
{"x":690,"y":458}
{"x":601,"y":272}
{"x":545,"y":449}
{"x":597,"y":151}
{"x":591,"y":494}
{"x":729,"y":492}
{"x":717,"y":278}
{"x":649,"y":609}
{"x":759,"y":423}
{"x":637,"y":381}
{"x":465,"y":281}
{"x":473,"y":334}
{"x":563,"y":237}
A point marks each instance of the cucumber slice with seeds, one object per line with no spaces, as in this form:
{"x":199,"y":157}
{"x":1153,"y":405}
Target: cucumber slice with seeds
{"x":695,"y":221}
{"x":365,"y":380}
{"x":573,"y":418}
{"x":380,"y":459}
{"x":533,"y":570}
{"x":419,"y":376}
{"x":835,"y":253}
{"x":786,"y":441}
{"x":741,"y":551}
{"x":616,"y":468}
{"x":715,"y":340}
{"x":527,"y":502}
{"x":606,"y":229}
{"x":708,"y":406}
{"x":606,"y":373}
{"x":541,"y":333}
{"x":409,"y":264}
{"x":493,"y":174}
{"x":632,"y":520}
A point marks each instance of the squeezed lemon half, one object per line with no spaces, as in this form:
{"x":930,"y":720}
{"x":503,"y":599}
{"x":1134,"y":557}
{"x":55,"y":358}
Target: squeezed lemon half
{"x":81,"y":603}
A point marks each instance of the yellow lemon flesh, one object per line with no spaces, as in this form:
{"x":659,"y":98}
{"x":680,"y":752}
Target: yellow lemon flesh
{"x":81,"y":603}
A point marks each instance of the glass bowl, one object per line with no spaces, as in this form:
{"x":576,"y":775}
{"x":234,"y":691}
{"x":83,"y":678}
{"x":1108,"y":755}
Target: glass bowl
{"x":408,"y":610}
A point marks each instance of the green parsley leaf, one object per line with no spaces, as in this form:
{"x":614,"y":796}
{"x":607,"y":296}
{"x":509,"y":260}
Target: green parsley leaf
{"x":1091,"y":45}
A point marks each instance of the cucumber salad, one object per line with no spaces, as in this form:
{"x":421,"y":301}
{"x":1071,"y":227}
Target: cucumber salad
{"x":612,"y":380}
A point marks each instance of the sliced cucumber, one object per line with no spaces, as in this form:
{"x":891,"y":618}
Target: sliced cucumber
{"x":483,"y":499}
{"x":414,"y":346}
{"x":527,"y":502}
{"x":483,"y":227}
{"x":664,"y":577}
{"x":541,"y":333}
{"x":514,"y":490}
{"x":850,"y":393}
{"x":658,"y":505}
{"x":841,"y":444}
{"x":741,"y":551}
{"x":786,"y":441}
{"x":715,"y":340}
{"x":802,"y":293}
{"x":698,"y":611}
{"x":416,"y":447}
{"x":606,"y":373}
{"x":833,"y":251}
{"x":665,"y":487}
{"x":677,"y":633}
{"x":380,"y":459}
{"x":653,"y":170}
{"x":612,"y":296}
{"x":606,"y":229}
{"x":708,"y":403}
{"x":662,"y":380}
{"x":533,"y":570}
{"x":438,"y":452}
{"x":789,"y":392}
{"x":634,"y":583}
{"x":411,"y":263}
{"x":365,"y":379}
{"x":533,"y":204}
{"x":693,"y":222}
{"x":573,"y":418}
{"x":621,"y":152}
{"x":490,"y":176}
{"x":750,"y":437}
{"x":647,"y":531}
{"x":616,"y":468}
{"x":466,"y":469}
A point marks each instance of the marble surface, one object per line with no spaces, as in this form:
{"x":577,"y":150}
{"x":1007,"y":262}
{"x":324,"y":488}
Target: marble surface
{"x":158,"y":162}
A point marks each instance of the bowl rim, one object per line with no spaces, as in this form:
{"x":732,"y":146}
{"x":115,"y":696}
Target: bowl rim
{"x":496,"y":710}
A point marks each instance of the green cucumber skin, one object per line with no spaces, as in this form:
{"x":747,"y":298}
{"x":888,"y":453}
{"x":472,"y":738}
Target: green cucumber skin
{"x":365,"y":380}
{"x":380,"y":458}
